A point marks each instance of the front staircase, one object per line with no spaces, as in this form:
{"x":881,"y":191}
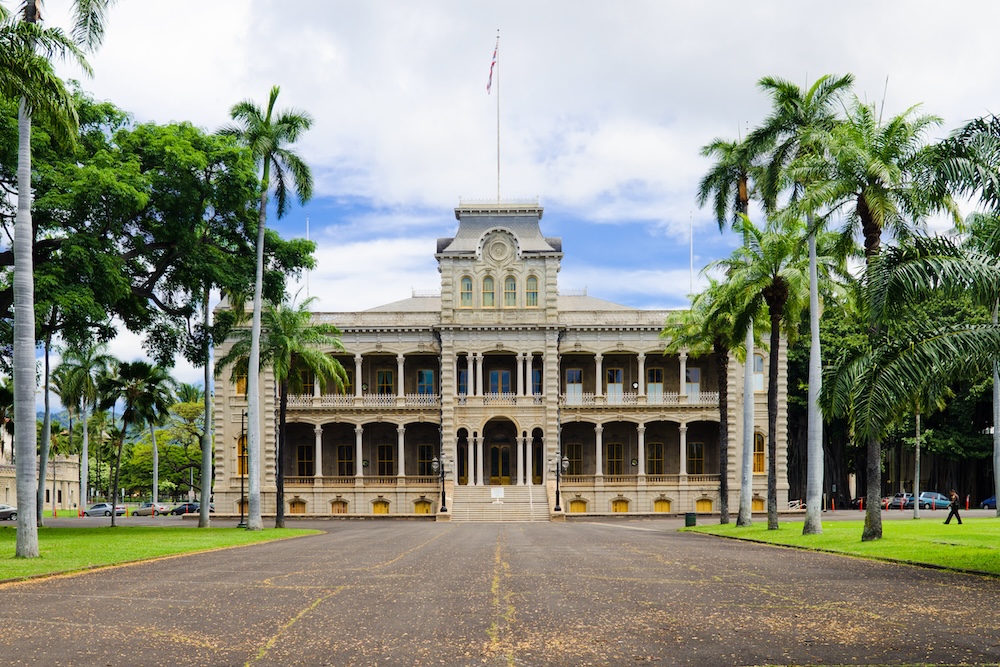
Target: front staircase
{"x":519,"y":503}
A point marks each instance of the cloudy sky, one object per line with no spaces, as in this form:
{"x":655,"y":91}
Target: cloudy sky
{"x":603,"y":109}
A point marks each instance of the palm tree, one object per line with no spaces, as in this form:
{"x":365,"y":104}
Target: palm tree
{"x":32,"y":80}
{"x":728,"y":184}
{"x":798,"y":121}
{"x":146,"y":392}
{"x":268,"y":136}
{"x":291,"y":348}
{"x":769,"y":271}
{"x":189,"y":393}
{"x":884,"y":175}
{"x":83,"y":367}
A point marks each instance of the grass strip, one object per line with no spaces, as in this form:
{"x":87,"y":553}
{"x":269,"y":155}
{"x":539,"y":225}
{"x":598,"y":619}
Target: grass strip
{"x":973,"y":546}
{"x":73,"y":549}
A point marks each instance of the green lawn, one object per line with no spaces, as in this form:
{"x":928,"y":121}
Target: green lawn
{"x":72,"y":549}
{"x":974,"y":545}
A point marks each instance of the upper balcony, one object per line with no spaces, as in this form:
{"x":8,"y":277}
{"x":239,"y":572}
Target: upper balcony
{"x":365,"y":401}
{"x":617,"y":400}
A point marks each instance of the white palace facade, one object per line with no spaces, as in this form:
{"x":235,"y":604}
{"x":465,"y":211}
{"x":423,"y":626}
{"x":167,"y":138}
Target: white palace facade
{"x":539,"y":403}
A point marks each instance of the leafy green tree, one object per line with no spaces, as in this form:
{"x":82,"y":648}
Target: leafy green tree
{"x":268,"y":134}
{"x":293,"y":347}
{"x":81,"y":367}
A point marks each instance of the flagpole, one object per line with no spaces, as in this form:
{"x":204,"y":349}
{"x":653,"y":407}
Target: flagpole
{"x":497,"y":51}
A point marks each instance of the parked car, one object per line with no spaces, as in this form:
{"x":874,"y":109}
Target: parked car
{"x":103,"y":509}
{"x":8,"y":513}
{"x":147,"y":509}
{"x":932,"y":500}
{"x":899,"y":501}
{"x":989,"y":504}
{"x":190,"y":508}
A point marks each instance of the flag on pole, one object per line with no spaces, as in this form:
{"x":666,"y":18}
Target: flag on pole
{"x":489,"y":83}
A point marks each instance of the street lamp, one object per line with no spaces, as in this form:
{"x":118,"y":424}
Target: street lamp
{"x":241,"y":458}
{"x":438,"y":468}
{"x":562,"y":465}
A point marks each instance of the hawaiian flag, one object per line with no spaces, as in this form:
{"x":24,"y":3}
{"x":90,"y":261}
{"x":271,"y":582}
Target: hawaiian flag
{"x":489,"y":84}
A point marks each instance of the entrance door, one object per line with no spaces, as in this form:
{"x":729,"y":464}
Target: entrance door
{"x":500,"y":464}
{"x":463,"y":457}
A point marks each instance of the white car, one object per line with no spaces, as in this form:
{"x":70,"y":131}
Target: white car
{"x":146,"y":509}
{"x":103,"y":509}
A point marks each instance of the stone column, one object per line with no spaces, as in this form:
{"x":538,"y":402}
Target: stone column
{"x":599,"y":449}
{"x":457,"y":357}
{"x":642,"y":374}
{"x":684,"y":449}
{"x":599,"y":368}
{"x":358,"y":468}
{"x":520,"y":460}
{"x":357,"y":378}
{"x":641,"y":430}
{"x":480,"y":481}
{"x":520,"y":374}
{"x":399,"y":371}
{"x":318,"y":457}
{"x":400,"y":432}
{"x":527,"y":460}
{"x":683,"y":389}
{"x":470,"y":471}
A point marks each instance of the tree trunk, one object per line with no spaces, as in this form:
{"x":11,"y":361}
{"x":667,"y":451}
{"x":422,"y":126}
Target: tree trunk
{"x":814,"y":462}
{"x":205,"y":518}
{"x":772,"y":416}
{"x":84,"y":458}
{"x":25,"y":439}
{"x":46,"y":444}
{"x":156,"y":464}
{"x":114,"y":486}
{"x":254,"y":520}
{"x":722,"y":374}
{"x":916,"y":470}
{"x":873,"y":494}
{"x":279,"y":476}
{"x":745,"y":517}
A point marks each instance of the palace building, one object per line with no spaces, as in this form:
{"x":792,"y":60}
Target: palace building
{"x":501,"y":391}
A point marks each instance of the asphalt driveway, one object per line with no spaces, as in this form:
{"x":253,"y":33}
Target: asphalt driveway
{"x":577,"y":593}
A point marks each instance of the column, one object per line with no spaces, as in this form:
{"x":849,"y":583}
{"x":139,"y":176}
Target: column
{"x":479,"y":461}
{"x":480,"y":388}
{"x":457,"y":357}
{"x":527,"y":461}
{"x":641,"y":430}
{"x":684,"y":449}
{"x":470,"y":471}
{"x":318,"y":456}
{"x":520,"y":461}
{"x":599,"y":449}
{"x":599,"y":368}
{"x":358,"y":432}
{"x":684,"y":387}
{"x":520,"y":373}
{"x":357,"y":378}
{"x":399,"y":374}
{"x":474,"y":374}
{"x":642,"y":374}
{"x":401,"y":469}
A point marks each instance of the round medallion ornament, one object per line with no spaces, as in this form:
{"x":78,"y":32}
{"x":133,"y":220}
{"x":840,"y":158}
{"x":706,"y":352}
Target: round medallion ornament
{"x":498,"y":250}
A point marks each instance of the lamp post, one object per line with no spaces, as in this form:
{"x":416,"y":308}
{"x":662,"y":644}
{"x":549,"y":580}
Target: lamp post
{"x":562,"y":464}
{"x":241,"y":458}
{"x":438,"y":468}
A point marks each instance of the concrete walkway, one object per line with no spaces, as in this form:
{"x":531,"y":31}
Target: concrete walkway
{"x":578,"y":593}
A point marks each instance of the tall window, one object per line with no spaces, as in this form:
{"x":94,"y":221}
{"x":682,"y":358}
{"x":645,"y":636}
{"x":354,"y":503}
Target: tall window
{"x":531,"y":292}
{"x":425,"y":454}
{"x":615,"y":387}
{"x":574,"y":453}
{"x":613,"y":463}
{"x":308,"y":383}
{"x":499,"y":382}
{"x":696,"y":458}
{"x":509,"y":292}
{"x":654,"y":384}
{"x":574,"y":386}
{"x":654,"y":458}
{"x":465,"y":292}
{"x":758,"y":372}
{"x":759,"y":461}
{"x":241,"y":384}
{"x":425,"y":381}
{"x":331,"y":387}
{"x":488,"y":301}
{"x":345,"y":460}
{"x":385,"y":460}
{"x":304,"y":461}
{"x":693,"y":381}
{"x":463,"y":382}
{"x":241,"y":455}
{"x":536,"y":381}
{"x":383,"y":382}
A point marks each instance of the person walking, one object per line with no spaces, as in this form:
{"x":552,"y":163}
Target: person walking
{"x":956,"y":502}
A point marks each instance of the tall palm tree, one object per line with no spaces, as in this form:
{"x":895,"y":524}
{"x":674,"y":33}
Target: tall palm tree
{"x":884,"y":176}
{"x":31,"y":47}
{"x":189,"y":393}
{"x":294,"y":348}
{"x":83,"y":366}
{"x":146,"y":393}
{"x":729,"y":184}
{"x":769,"y":271}
{"x":798,"y":121}
{"x":268,"y":134}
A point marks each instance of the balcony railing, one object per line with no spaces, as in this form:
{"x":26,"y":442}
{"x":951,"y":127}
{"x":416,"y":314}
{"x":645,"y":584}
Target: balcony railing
{"x":378,"y":401}
{"x":385,"y":480}
{"x":589,"y":399}
{"x":590,"y":480}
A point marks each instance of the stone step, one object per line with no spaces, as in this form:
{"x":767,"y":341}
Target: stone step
{"x":519,"y":503}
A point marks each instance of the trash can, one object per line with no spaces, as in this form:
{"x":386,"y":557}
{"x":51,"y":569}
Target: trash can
{"x":690,"y":519}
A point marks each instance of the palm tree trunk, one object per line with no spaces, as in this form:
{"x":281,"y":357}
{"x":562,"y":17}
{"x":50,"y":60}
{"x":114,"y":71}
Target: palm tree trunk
{"x":254,"y":520}
{"x":744,"y":518}
{"x":118,"y":467}
{"x":25,"y":440}
{"x":772,"y":417}
{"x":279,"y":475}
{"x":916,"y":469}
{"x":722,"y":375}
{"x":84,"y":458}
{"x":996,"y":422}
{"x":873,"y":494}
{"x":156,"y":464}
{"x":46,"y":444}
{"x":205,"y":517}
{"x":814,"y":439}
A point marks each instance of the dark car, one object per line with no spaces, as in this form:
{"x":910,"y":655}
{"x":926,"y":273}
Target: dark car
{"x":8,"y":513}
{"x":899,"y":501}
{"x":989,"y":504}
{"x":190,"y":508}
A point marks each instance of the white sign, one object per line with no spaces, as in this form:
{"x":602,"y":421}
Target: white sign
{"x":496,"y":492}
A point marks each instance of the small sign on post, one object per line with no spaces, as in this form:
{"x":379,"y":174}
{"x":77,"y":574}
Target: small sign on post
{"x":497,"y":494}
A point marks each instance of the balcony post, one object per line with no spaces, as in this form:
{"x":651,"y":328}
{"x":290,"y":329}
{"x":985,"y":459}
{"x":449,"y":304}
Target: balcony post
{"x":357,"y":375}
{"x":641,"y":431}
{"x":358,"y":432}
{"x":599,"y":370}
{"x":684,"y":452}
{"x":642,"y":374}
{"x":599,"y":449}
{"x":400,"y":433}
{"x":683,"y":389}
{"x":318,"y":455}
{"x":399,"y":374}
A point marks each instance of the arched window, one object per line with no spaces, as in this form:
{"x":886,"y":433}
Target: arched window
{"x":488,"y":301}
{"x":619,"y":505}
{"x":241,"y":385}
{"x":465,"y":299}
{"x":759,"y":467}
{"x":531,"y":292}
{"x":703,"y":505}
{"x":509,"y":292}
{"x":758,"y":372}
{"x":661,"y":505}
